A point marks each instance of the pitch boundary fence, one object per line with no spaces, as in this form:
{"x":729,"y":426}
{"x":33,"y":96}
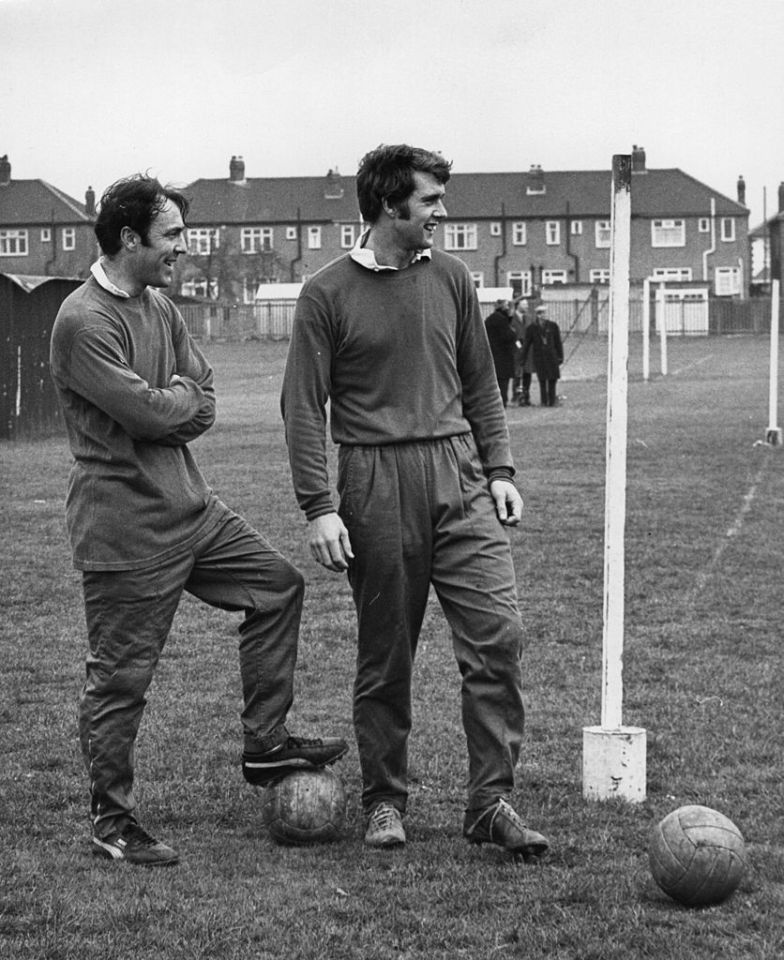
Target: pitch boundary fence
{"x":272,"y":320}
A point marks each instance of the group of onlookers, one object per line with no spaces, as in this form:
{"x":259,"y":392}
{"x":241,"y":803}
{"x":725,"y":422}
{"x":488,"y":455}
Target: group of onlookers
{"x":521,"y":346}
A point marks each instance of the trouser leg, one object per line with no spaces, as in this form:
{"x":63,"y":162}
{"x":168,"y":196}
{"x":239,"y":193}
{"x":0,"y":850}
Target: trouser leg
{"x":542,"y":390}
{"x":235,"y":568}
{"x":403,"y":505}
{"x":473,"y":575}
{"x":527,"y":388}
{"x":129,"y":614}
{"x":390,"y":578}
{"x":503,"y":387}
{"x":517,"y":384}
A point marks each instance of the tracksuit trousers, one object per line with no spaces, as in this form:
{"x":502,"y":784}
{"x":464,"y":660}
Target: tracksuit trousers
{"x":418,"y":514}
{"x":129,"y":614}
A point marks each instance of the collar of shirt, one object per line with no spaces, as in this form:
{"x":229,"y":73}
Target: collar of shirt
{"x":99,"y":273}
{"x":367,"y":258}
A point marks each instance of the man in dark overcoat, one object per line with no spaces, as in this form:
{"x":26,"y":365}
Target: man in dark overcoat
{"x":503,"y":343}
{"x":543,"y":343}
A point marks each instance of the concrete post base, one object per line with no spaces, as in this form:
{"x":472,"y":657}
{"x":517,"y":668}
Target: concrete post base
{"x":614,"y":764}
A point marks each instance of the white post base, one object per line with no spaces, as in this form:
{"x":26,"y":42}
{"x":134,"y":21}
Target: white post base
{"x":614,"y":764}
{"x":773,"y":436}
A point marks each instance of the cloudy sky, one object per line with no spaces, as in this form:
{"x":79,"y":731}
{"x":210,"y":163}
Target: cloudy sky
{"x":91,"y":90}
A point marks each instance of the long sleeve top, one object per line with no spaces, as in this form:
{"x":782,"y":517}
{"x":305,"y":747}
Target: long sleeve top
{"x":135,"y":494}
{"x":399,"y":355}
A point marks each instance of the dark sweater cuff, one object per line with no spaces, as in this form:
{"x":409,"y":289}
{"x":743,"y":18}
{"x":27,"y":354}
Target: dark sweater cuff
{"x":313,"y":513}
{"x":500,"y":473}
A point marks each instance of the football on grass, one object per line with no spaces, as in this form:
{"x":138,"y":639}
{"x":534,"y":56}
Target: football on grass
{"x":697,"y":855}
{"x":307,"y":806}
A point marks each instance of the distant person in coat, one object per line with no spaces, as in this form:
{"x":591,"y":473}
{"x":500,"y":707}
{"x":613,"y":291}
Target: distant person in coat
{"x":543,"y":344}
{"x":503,"y":344}
{"x":523,"y":372}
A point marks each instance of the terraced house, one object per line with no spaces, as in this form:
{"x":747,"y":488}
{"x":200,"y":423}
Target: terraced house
{"x":526,"y":231}
{"x":43,"y":231}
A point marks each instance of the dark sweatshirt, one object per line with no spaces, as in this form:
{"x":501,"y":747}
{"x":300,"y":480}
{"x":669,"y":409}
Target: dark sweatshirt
{"x":135,"y":494}
{"x":400,"y":355}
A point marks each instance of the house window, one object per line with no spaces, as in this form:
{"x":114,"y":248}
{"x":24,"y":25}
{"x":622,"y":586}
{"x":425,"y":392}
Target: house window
{"x":69,"y":238}
{"x":602,"y":232}
{"x":600,"y":276}
{"x":13,"y":243}
{"x":519,"y":234}
{"x":291,"y":233}
{"x":347,"y":235}
{"x":668,"y":233}
{"x":200,"y":288}
{"x":576,"y":228}
{"x":495,"y":229}
{"x":727,"y":281}
{"x":728,"y":229}
{"x":672,"y":273}
{"x":703,"y":225}
{"x":549,"y":277}
{"x":460,"y":236}
{"x":478,"y":277}
{"x":46,"y":235}
{"x":202,"y":240}
{"x":254,"y":239}
{"x":552,"y":233}
{"x":520,"y":282}
{"x":314,"y":238}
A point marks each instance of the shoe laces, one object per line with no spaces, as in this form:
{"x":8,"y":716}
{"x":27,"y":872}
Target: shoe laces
{"x":138,"y":836}
{"x":304,"y":742}
{"x":508,"y":810}
{"x":384,"y":816}
{"x":492,"y":813}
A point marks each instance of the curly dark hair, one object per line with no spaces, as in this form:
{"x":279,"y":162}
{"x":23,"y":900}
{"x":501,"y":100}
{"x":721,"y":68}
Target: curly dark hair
{"x":387,"y":174}
{"x":133,"y":202}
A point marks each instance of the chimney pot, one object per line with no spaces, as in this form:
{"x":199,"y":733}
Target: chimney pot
{"x":5,"y":171}
{"x":237,"y":170}
{"x":638,"y":159}
{"x":535,"y":182}
{"x":333,"y":189}
{"x":741,"y":190}
{"x":89,"y":202}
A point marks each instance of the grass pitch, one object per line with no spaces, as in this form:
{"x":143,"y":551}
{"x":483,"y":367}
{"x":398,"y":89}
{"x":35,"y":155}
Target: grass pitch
{"x":702,"y":675}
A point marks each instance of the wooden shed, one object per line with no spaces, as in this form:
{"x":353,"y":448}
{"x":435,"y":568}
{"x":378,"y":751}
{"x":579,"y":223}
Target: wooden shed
{"x":29,"y":406}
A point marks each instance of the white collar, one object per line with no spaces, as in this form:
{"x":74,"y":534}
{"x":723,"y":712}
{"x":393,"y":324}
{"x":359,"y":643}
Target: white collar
{"x":365,"y":257}
{"x":99,"y":273}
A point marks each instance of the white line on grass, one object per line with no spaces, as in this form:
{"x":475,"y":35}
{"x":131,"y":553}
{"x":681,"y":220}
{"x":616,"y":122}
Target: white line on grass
{"x":694,"y":363}
{"x":734,"y":529}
